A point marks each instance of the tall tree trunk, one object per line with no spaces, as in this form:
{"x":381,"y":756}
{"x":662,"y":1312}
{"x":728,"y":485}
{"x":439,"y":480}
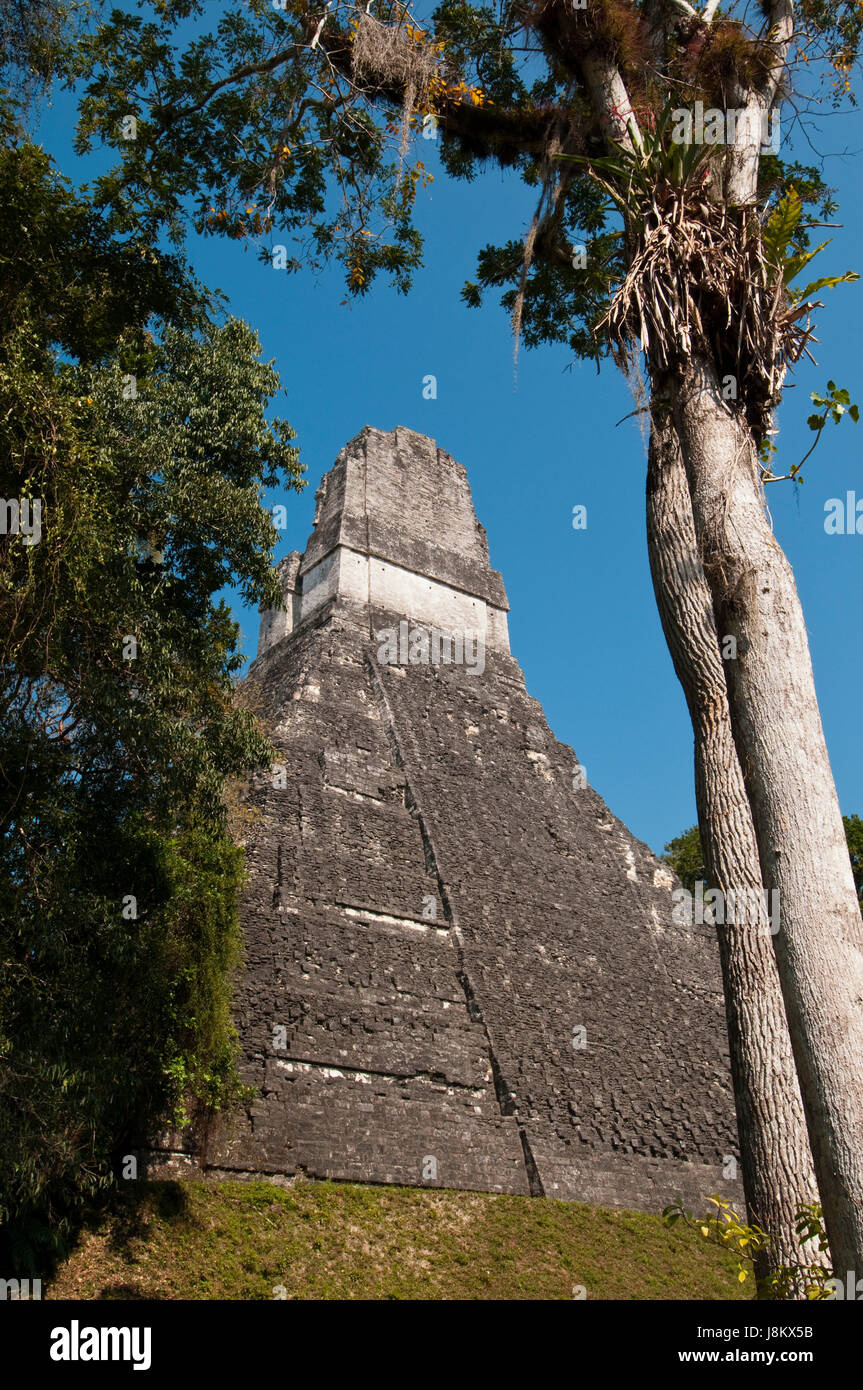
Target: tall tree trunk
{"x":783,"y":757}
{"x":776,"y":1163}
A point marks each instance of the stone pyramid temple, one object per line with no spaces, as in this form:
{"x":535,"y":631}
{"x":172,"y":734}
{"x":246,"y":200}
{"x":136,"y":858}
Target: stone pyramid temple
{"x":461,"y":968}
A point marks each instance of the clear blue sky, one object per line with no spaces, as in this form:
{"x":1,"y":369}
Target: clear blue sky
{"x":583,"y":620}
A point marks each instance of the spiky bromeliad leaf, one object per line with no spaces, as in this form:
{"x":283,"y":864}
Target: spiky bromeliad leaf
{"x":781,"y":226}
{"x":827,"y":282}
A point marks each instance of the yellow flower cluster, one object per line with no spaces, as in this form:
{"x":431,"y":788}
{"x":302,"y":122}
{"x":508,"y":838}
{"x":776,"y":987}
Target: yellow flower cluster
{"x":440,"y":90}
{"x":256,"y":224}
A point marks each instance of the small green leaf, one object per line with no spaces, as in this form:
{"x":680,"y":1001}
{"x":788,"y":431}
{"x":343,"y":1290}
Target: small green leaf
{"x":799,"y":260}
{"x":781,"y":226}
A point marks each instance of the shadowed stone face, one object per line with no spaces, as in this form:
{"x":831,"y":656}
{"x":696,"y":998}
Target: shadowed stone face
{"x":461,"y":969}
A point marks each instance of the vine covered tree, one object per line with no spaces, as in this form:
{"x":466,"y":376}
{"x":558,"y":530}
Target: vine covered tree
{"x":135,"y":444}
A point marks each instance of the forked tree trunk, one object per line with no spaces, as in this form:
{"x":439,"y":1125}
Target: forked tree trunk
{"x":776,"y":1163}
{"x":783,"y":757}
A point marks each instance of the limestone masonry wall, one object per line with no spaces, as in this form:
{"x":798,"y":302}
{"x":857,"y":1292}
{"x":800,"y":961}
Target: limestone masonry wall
{"x":461,"y":968}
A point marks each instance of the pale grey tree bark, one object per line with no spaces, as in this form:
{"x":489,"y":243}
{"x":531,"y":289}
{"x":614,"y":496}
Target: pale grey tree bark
{"x":776,"y":724}
{"x":776,"y":1163}
{"x":772,"y":706}
{"x":789,"y":783}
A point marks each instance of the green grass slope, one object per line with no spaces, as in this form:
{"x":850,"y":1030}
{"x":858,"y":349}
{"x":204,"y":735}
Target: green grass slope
{"x":321,"y":1240}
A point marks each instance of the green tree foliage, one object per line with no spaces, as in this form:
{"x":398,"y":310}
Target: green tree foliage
{"x":289,"y":121}
{"x":32,"y":35}
{"x":684,"y":854}
{"x":854,"y":835}
{"x":280,"y":121}
{"x":686,"y":858}
{"x":134,"y":417}
{"x":809,"y":1277}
